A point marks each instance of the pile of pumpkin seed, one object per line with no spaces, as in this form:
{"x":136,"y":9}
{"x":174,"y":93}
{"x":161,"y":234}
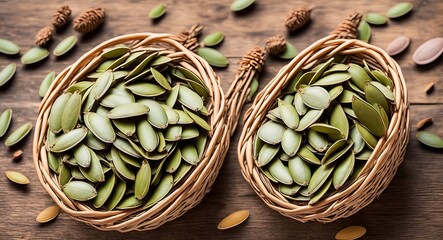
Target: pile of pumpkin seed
{"x":324,"y":128}
{"x":127,"y":133}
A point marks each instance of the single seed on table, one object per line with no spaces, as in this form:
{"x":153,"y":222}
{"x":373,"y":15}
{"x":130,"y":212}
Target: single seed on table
{"x":34,"y":55}
{"x":18,"y":134}
{"x":428,"y":51}
{"x":352,"y":232}
{"x":65,"y":46}
{"x":429,"y":87}
{"x":48,"y":214}
{"x":423,"y":123}
{"x":399,"y":10}
{"x":398,"y":45}
{"x":430,"y":139}
{"x":213,"y":57}
{"x":46,"y":83}
{"x":233,"y":219}
{"x":375,"y":18}
{"x":17,"y":155}
{"x":17,"y":177}
{"x":5,"y":120}
{"x":364,"y":31}
{"x":213,"y":39}
{"x":157,"y":11}
{"x":239,"y":5}
{"x":8,"y":47}
{"x":7,"y":73}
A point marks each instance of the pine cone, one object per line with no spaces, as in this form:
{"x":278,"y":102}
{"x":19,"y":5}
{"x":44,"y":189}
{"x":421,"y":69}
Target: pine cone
{"x":297,"y":18}
{"x":61,"y":17}
{"x":254,"y":59}
{"x":44,"y":36}
{"x":349,"y":28}
{"x":89,"y":20}
{"x":189,"y":38}
{"x":275,"y":45}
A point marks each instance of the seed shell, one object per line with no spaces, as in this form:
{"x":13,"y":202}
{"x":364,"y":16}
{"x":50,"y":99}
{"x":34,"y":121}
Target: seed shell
{"x":428,"y":51}
{"x":104,"y":191}
{"x":162,"y":189}
{"x":46,"y":83}
{"x":128,"y":110}
{"x":213,"y":39}
{"x":5,"y":120}
{"x":142,"y":180}
{"x":213,"y":57}
{"x":7,"y":73}
{"x":34,"y":55}
{"x":100,"y":126}
{"x":364,"y":31}
{"x":65,"y":46}
{"x":17,"y":177}
{"x":315,"y":97}
{"x":79,"y":190}
{"x":319,"y":177}
{"x":280,"y":172}
{"x":48,"y":214}
{"x":288,"y":114}
{"x":18,"y":134}
{"x":157,"y":11}
{"x":430,"y":139}
{"x":69,"y":140}
{"x":399,"y":10}
{"x":299,"y":171}
{"x":289,"y":53}
{"x":271,"y":132}
{"x":71,"y":112}
{"x":8,"y":47}
{"x":239,"y":5}
{"x":398,"y":45}
{"x":375,"y":18}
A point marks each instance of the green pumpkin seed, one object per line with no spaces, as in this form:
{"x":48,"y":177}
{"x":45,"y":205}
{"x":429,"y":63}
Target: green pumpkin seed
{"x":333,"y":132}
{"x":300,"y":171}
{"x":198,"y":120}
{"x":364,"y":155}
{"x":142,"y":180}
{"x":280,"y":172}
{"x":181,"y":172}
{"x":383,"y":89}
{"x":335,"y":92}
{"x":320,"y":69}
{"x":34,"y":55}
{"x":266,"y":154}
{"x":189,"y":98}
{"x":65,"y":46}
{"x":189,"y":153}
{"x":93,"y":142}
{"x":102,"y":85}
{"x":289,"y":99}
{"x":266,"y":172}
{"x":101,"y":127}
{"x":147,"y":135}
{"x":301,"y":108}
{"x":104,"y":66}
{"x":5,"y":120}
{"x":289,"y":53}
{"x":79,"y":191}
{"x":128,"y":110}
{"x":315,"y":97}
{"x":399,"y":10}
{"x":117,"y":63}
{"x":82,"y":155}
{"x":288,"y":114}
{"x":173,"y":133}
{"x":200,"y":89}
{"x":336,"y":151}
{"x":7,"y":73}
{"x":375,"y":18}
{"x":382,"y":78}
{"x":46,"y":83}
{"x":53,"y":162}
{"x":369,"y":117}
{"x":174,"y":161}
{"x":115,"y":51}
{"x":71,"y":112}
{"x":129,"y":202}
{"x":367,"y":136}
{"x":317,"y":140}
{"x":430,"y":139}
{"x":305,"y":79}
{"x":357,"y":139}
{"x":69,"y":140}
{"x":113,"y":100}
{"x":189,"y":132}
{"x":133,"y":58}
{"x":319,"y":178}
{"x":120,"y":165}
{"x":126,"y":126}
{"x":320,"y":193}
{"x":308,"y":156}
{"x":349,"y":112}
{"x":79,"y":86}
{"x":335,"y":68}
{"x":332,"y":79}
{"x":94,"y":173}
{"x":339,"y":120}
{"x":65,"y":175}
{"x":8,"y":47}
{"x":104,"y":191}
{"x":76,"y":174}
{"x":374,"y":96}
{"x":117,"y":194}
{"x":309,"y":118}
{"x":172,"y":97}
{"x":364,"y":31}
{"x":288,"y":189}
{"x":160,"y":60}
{"x":157,"y":115}
{"x":213,"y":39}
{"x":17,"y":177}
{"x":346,"y":96}
{"x":213,"y":57}
{"x":291,"y":141}
{"x":141,"y":66}
{"x":18,"y":134}
{"x":358,"y":76}
{"x":343,"y":170}
{"x":146,"y":89}
{"x":271,"y":132}
{"x":157,"y":11}
{"x":171,"y":114}
{"x":239,"y":5}
{"x":160,"y":79}
{"x":160,"y":192}
{"x":189,"y":75}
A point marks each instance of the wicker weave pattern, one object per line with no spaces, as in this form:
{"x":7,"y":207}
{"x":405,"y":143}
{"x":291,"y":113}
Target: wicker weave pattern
{"x":187,"y":194}
{"x":380,"y":168}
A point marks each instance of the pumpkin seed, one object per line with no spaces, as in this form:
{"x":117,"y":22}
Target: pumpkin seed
{"x":430,"y":139}
{"x":289,"y":53}
{"x":398,"y":45}
{"x":367,"y":136}
{"x":173,"y":133}
{"x":93,"y":142}
{"x":364,"y":31}
{"x":142,"y":180}
{"x":335,"y":92}
{"x":332,"y":79}
{"x":384,"y":90}
{"x":100,"y":126}
{"x":213,"y":57}
{"x":315,"y":97}
{"x":163,"y":188}
{"x":48,"y":214}
{"x":53,"y":162}
{"x":5,"y":120}
{"x":198,"y":120}
{"x":120,"y":166}
{"x":343,"y":170}
{"x":76,"y":174}
{"x":317,"y":140}
{"x":357,"y":139}
{"x":17,"y":177}
{"x":233,"y":219}
{"x":189,"y":132}
{"x":181,"y":172}
{"x":71,"y":112}
{"x":128,"y":110}
{"x":369,"y":117}
{"x":291,"y":141}
{"x":8,"y":47}
{"x":79,"y":190}
{"x":288,"y":114}
{"x":69,"y":140}
{"x":375,"y":96}
{"x":308,"y":119}
{"x":288,"y":189}
{"x":18,"y":134}
{"x":117,"y":194}
{"x":94,"y":173}
{"x":305,"y":79}
{"x":171,"y":114}
{"x":301,"y":108}
{"x":280,"y":172}
{"x":129,"y":202}
{"x":46,"y":83}
{"x":213,"y":39}
{"x":104,"y":191}
{"x":271,"y":132}
{"x":115,"y":51}
{"x":34,"y":55}
{"x":332,"y":132}
{"x":157,"y":115}
{"x":335,"y":151}
{"x":375,"y":18}
{"x":65,"y":46}
{"x":239,"y":5}
{"x":189,"y":153}
{"x":300,"y":171}
{"x":319,"y":178}
{"x":382,"y":78}
{"x":102,"y":85}
{"x":358,"y":75}
{"x":146,"y":89}
{"x":308,"y":156}
{"x":127,"y":127}
{"x":336,"y":68}
{"x":352,"y":232}
{"x":428,"y":51}
{"x":338,"y":119}
{"x":157,"y":11}
{"x":147,"y":135}
{"x":399,"y":9}
{"x":160,"y":79}
{"x":7,"y":73}
{"x":82,"y":155}
{"x":364,"y":155}
{"x":266,"y":154}
{"x":320,"y":193}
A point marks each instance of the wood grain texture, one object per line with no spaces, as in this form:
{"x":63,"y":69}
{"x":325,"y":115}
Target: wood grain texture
{"x":410,"y":208}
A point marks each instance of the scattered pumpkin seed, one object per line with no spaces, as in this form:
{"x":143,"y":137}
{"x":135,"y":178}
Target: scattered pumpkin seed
{"x":46,"y":83}
{"x":158,"y":11}
{"x":18,"y":134}
{"x":5,"y":120}
{"x":213,"y":39}
{"x":7,"y":73}
{"x":430,"y":139}
{"x":375,"y":18}
{"x":424,"y":122}
{"x":399,"y":10}
{"x":34,"y":55}
{"x":49,"y":214}
{"x":213,"y":57}
{"x":428,"y":51}
{"x":65,"y":46}
{"x":233,"y":219}
{"x":289,"y":53}
{"x":398,"y":45}
{"x":239,"y":5}
{"x":8,"y":47}
{"x":364,"y":31}
{"x":352,"y":232}
{"x":17,"y":177}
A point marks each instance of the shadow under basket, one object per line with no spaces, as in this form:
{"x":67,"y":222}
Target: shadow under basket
{"x":379,"y":169}
{"x":183,"y":196}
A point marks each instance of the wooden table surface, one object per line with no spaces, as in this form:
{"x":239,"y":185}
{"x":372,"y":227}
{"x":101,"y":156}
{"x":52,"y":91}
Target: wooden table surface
{"x":410,"y":208}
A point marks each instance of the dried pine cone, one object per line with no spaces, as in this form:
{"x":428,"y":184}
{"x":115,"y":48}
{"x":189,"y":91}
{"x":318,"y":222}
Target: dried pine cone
{"x":349,"y":28}
{"x":276,"y":45}
{"x":297,"y":18}
{"x":254,"y":59}
{"x":89,"y":20}
{"x":44,"y":36}
{"x":61,"y":17}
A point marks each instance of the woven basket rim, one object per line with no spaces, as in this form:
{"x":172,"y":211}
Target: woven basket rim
{"x":368,"y":186}
{"x":189,"y":192}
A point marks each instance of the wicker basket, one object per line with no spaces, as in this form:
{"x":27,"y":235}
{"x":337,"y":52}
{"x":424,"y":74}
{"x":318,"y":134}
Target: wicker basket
{"x":379,"y":169}
{"x":186,"y":195}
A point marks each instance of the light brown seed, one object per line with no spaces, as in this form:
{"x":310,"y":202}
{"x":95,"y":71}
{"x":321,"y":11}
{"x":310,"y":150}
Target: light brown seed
{"x":428,"y":51}
{"x":424,"y":122}
{"x":429,"y":87}
{"x":233,"y":219}
{"x":48,"y":214}
{"x":17,"y":154}
{"x":398,"y":45}
{"x":352,"y":232}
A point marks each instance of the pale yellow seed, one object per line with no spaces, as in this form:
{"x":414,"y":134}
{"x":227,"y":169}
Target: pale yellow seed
{"x":352,"y":232}
{"x":429,"y":87}
{"x":48,"y":214}
{"x":424,"y":122}
{"x":17,"y":177}
{"x":233,"y":219}
{"x":17,"y":154}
